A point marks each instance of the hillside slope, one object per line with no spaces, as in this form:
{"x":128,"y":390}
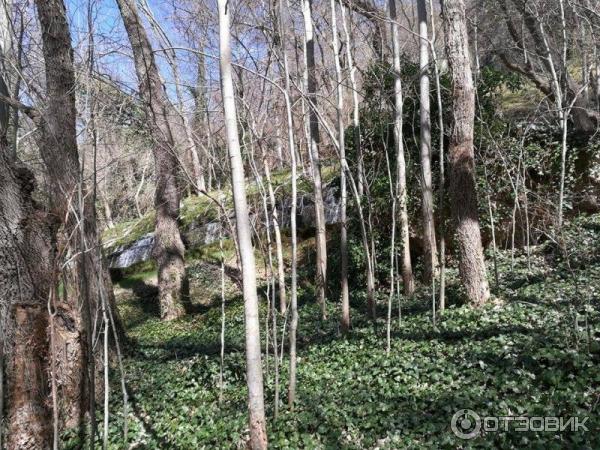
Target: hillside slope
{"x":521,"y":355}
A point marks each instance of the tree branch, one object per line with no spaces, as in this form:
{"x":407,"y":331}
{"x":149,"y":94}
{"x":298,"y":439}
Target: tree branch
{"x":29,"y":111}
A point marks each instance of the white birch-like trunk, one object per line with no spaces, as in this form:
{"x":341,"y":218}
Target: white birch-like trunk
{"x":361,"y":181}
{"x":564,"y":121}
{"x":407,"y":275}
{"x":355,"y":104}
{"x":257,"y":424}
{"x":278,"y":242}
{"x":430,"y":247}
{"x":313,"y":129}
{"x":294,"y":276}
{"x":345,"y":320}
{"x":442,"y":188}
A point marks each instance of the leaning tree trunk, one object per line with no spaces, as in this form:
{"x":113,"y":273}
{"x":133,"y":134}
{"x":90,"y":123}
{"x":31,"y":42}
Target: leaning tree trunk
{"x":430,"y":245}
{"x":254,"y":375}
{"x":461,"y":155}
{"x":166,"y":132}
{"x":314,"y":140}
{"x":278,"y":241}
{"x":401,"y":193}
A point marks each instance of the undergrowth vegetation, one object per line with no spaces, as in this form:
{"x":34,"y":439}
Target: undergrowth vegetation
{"x":534,"y":351}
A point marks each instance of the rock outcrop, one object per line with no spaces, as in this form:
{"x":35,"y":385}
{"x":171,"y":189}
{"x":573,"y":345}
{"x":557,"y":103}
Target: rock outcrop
{"x":199,"y":232}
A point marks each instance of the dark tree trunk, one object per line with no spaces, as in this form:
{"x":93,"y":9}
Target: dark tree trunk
{"x":58,"y":148}
{"x":74,"y":234}
{"x":461,"y":156}
{"x":168,"y":249}
{"x":24,"y":285}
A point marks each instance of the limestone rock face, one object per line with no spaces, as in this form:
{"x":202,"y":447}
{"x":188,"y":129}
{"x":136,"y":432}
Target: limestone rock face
{"x":128,"y":255}
{"x":199,"y":233}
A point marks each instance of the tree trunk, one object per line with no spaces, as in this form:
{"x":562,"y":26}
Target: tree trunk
{"x":461,"y":155}
{"x":168,"y":248}
{"x":73,"y":218}
{"x":314,"y":140}
{"x":283,"y":63}
{"x":407,"y":275}
{"x":278,"y":242}
{"x":430,"y":247}
{"x":24,"y":287}
{"x":369,"y":10}
{"x":442,"y":182}
{"x":345,"y":319}
{"x":355,"y":104}
{"x":254,"y":376}
{"x":11,"y":62}
{"x":200,"y":122}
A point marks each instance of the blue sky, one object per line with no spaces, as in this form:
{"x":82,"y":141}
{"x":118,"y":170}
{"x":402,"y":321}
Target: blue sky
{"x":112,"y":45}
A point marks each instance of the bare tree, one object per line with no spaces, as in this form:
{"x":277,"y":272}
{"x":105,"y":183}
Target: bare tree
{"x":345,"y":321}
{"x":278,"y":241}
{"x":430,"y":245}
{"x":256,"y":417}
{"x":355,"y":102}
{"x":461,"y":155}
{"x":401,"y":192}
{"x":284,"y":67}
{"x":361,"y":181}
{"x":190,"y":151}
{"x":24,"y":288}
{"x":166,"y":133}
{"x":314,"y":140}
{"x":75,"y":236}
{"x":199,"y":123}
{"x":442,"y":182}
{"x":73,"y":252}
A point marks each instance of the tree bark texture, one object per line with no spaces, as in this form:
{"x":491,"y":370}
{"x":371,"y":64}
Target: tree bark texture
{"x":314,"y":141}
{"x":401,"y":192}
{"x":167,"y":132}
{"x":463,"y":194}
{"x":430,"y":246}
{"x":254,"y":375}
{"x":24,"y":287}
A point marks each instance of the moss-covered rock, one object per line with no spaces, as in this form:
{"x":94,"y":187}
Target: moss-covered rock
{"x":129,"y":243}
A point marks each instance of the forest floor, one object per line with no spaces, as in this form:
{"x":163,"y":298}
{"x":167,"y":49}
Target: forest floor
{"x":534,"y":351}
